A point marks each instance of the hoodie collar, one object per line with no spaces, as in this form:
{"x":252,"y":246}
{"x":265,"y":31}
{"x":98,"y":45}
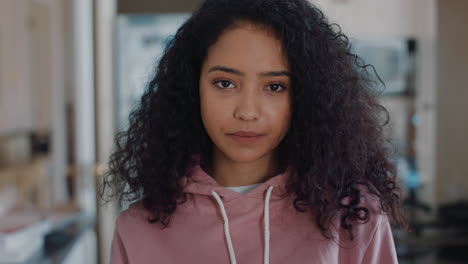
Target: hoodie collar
{"x":198,"y":181}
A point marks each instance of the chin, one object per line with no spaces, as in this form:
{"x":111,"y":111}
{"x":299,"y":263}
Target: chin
{"x":244,"y":155}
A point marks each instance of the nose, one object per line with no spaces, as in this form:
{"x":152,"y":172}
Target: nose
{"x":248,"y":105}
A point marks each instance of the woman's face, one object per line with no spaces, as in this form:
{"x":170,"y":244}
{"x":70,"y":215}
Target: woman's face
{"x":245,"y":87}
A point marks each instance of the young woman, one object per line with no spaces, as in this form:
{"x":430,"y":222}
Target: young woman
{"x":259,"y":139}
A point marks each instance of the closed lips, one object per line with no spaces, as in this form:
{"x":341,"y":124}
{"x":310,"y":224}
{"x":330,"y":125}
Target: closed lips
{"x":246,"y":134}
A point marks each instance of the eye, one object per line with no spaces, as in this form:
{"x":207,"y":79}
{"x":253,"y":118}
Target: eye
{"x":224,"y":84}
{"x":276,"y":87}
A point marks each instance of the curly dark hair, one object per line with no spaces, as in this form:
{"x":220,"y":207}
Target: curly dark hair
{"x":335,"y":141}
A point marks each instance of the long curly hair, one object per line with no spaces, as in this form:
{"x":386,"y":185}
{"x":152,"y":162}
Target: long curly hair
{"x":335,"y":140}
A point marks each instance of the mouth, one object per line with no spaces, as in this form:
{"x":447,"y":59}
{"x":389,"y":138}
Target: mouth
{"x":244,"y":137}
{"x":246,"y":134}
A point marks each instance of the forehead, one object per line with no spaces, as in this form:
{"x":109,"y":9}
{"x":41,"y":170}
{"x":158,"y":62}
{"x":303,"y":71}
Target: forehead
{"x":248,"y":47}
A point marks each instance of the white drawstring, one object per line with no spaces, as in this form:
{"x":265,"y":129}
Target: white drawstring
{"x":226,"y":228}
{"x":266,"y":221}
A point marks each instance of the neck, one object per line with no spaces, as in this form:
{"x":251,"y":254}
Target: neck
{"x":228,"y":172}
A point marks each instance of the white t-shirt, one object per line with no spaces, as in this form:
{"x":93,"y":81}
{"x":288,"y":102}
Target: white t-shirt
{"x":243,"y":189}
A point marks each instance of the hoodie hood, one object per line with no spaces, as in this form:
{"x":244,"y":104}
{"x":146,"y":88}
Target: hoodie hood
{"x":198,"y":182}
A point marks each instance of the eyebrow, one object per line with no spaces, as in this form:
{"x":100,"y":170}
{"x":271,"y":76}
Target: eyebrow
{"x":237,"y":72}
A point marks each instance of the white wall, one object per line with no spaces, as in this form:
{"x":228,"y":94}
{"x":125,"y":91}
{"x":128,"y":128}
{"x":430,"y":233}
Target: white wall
{"x":15,"y":90}
{"x":452,"y":98}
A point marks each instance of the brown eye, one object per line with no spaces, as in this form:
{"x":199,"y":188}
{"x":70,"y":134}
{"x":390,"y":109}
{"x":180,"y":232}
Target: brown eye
{"x":276,"y":87}
{"x":224,"y":84}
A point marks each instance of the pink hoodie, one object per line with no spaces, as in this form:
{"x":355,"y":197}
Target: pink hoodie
{"x":222,"y":226}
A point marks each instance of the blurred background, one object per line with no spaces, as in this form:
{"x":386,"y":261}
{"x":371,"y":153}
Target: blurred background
{"x":71,"y":70}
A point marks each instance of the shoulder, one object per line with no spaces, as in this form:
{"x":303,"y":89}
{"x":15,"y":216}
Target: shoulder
{"x":376,"y":242}
{"x":134,"y":215}
{"x":130,"y":226}
{"x":372,"y":203}
{"x":372,"y":237}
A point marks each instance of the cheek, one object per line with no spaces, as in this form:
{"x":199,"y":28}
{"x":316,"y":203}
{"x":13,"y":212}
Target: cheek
{"x":212,"y":110}
{"x":280,"y":116}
